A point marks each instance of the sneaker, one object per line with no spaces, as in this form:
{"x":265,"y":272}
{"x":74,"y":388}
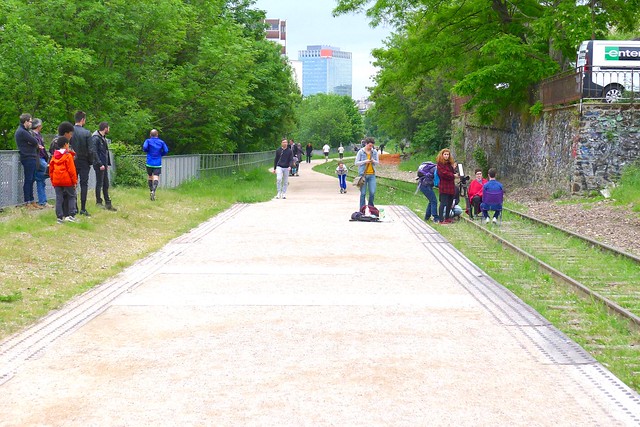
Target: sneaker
{"x":283,"y":196}
{"x":70,"y":219}
{"x":341,"y":191}
{"x":110,"y":207}
{"x":495,"y":220}
{"x":99,"y":205}
{"x":84,"y":212}
{"x":486,"y":220}
{"x":59,"y":220}
{"x":345,"y":191}
{"x":152,"y":196}
{"x":277,"y":196}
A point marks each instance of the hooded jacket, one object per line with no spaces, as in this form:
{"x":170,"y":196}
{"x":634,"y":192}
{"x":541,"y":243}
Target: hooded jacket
{"x":62,"y":169}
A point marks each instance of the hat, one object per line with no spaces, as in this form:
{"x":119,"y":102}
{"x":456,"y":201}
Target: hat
{"x":35,"y":123}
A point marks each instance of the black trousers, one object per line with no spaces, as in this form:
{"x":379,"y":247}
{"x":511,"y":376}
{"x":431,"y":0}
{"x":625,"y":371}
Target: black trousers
{"x":446,"y":203}
{"x":83,"y":167}
{"x":102,"y":185}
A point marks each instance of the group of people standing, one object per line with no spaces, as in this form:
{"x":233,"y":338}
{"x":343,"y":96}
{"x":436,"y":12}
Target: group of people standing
{"x":449,"y":193}
{"x":68,"y":161}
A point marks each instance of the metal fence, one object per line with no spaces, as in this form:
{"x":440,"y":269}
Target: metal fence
{"x":175,"y":171}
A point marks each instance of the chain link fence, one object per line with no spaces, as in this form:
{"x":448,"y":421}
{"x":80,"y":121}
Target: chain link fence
{"x":175,"y":170}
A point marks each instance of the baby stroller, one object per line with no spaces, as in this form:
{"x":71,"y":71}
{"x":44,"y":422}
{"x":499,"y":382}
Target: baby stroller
{"x":294,"y":166}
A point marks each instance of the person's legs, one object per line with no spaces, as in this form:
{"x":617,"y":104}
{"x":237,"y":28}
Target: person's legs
{"x":41,"y":183}
{"x":371,"y":185}
{"x":29,"y":168}
{"x":445,"y":206}
{"x":60,"y":202}
{"x":432,"y":206}
{"x":363,"y":191}
{"x":279,"y":174}
{"x":105,"y":188}
{"x":285,"y":181}
{"x":475,"y":202}
{"x":99,"y":178}
{"x":83,"y":168}
{"x":71,"y":200}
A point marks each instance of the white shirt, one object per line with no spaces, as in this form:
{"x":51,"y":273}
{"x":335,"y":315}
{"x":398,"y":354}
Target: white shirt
{"x":341,"y":149}
{"x":326,"y":148}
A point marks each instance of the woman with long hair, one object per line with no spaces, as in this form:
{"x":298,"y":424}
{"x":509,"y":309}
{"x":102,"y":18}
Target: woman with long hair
{"x":447,"y":186}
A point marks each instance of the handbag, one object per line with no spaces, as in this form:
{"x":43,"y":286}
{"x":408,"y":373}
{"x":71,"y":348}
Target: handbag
{"x":358,"y":181}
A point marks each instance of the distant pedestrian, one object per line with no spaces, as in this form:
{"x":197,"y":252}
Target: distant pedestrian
{"x":28,"y":148}
{"x":341,"y":151}
{"x":367,"y":160}
{"x":42,"y":167}
{"x":101,"y":166}
{"x":447,"y":187}
{"x":325,"y":150}
{"x":64,"y":179}
{"x":341,"y":171}
{"x":382,"y":147}
{"x":155,"y":149}
{"x":85,"y":156}
{"x":281,"y":166}
{"x":309,"y":152}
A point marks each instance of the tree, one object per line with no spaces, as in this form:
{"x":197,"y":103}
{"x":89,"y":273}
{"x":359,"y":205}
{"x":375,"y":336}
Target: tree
{"x":329,"y":119}
{"x":494,"y":51}
{"x":200,"y":71}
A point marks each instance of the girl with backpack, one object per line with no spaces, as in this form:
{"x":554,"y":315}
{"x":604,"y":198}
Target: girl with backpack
{"x":447,"y":186}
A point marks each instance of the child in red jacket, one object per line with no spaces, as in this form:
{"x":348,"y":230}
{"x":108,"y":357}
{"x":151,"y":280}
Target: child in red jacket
{"x":64,"y":178}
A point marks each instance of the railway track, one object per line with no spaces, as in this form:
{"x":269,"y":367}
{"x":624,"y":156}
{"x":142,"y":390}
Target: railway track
{"x":599,"y":271}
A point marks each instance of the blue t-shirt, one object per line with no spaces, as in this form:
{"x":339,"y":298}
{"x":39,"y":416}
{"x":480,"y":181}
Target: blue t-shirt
{"x":155,"y":149}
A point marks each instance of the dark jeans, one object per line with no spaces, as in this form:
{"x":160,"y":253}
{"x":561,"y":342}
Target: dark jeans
{"x":65,"y":201}
{"x":475,"y":202}
{"x":41,"y":182}
{"x":29,"y":167}
{"x":432,"y":206}
{"x":446,"y":204}
{"x":83,"y":167}
{"x":308,"y":158}
{"x":102,"y":185}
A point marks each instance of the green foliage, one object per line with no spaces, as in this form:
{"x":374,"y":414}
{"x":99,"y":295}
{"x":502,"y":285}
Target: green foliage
{"x":329,"y":119}
{"x":536,"y":109}
{"x":480,"y":157}
{"x":201,"y":71}
{"x":628,"y":190}
{"x":492,"y":52}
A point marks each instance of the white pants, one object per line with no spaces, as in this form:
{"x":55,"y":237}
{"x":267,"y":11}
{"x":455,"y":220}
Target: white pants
{"x":282,"y":179}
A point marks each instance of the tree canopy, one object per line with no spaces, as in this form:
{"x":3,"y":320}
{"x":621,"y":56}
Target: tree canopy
{"x":329,"y":119}
{"x":491,"y":51}
{"x":200,"y":71}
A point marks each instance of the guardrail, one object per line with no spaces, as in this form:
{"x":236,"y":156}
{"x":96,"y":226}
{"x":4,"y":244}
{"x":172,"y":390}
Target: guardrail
{"x":175,"y":170}
{"x":613,"y":86}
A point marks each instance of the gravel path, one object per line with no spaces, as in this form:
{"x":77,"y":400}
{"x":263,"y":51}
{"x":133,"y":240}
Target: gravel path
{"x":603,"y":221}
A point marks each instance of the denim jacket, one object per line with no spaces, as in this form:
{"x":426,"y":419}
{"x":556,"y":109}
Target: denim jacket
{"x":361,"y":157}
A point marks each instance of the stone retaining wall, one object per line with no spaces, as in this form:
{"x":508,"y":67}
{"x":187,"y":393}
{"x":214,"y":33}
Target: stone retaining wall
{"x":563,"y":149}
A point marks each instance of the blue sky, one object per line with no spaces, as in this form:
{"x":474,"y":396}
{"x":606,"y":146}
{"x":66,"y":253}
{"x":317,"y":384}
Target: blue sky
{"x":310,"y":23}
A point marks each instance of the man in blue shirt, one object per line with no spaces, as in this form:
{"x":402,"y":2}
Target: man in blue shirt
{"x":492,"y":197}
{"x":155,"y":149}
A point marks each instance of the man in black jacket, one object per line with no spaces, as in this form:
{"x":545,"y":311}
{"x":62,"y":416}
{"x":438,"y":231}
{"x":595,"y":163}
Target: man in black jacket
{"x":28,"y":148}
{"x":85,"y":157}
{"x":101,"y":166}
{"x":281,"y":165}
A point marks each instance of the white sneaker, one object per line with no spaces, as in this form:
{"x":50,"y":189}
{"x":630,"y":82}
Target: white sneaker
{"x":495,"y":220}
{"x":283,"y":196}
{"x":486,"y":220}
{"x":277,"y":196}
{"x":70,"y":219}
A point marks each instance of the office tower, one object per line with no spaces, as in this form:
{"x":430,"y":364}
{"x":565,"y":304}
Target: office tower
{"x":326,"y":69}
{"x":277,"y":32}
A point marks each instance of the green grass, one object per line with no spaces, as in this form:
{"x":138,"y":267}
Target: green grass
{"x":45,"y":264}
{"x":415,"y":160}
{"x":628,"y":190}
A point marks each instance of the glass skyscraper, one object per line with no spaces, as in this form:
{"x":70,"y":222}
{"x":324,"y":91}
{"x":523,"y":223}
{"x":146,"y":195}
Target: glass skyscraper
{"x":325,"y":69}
